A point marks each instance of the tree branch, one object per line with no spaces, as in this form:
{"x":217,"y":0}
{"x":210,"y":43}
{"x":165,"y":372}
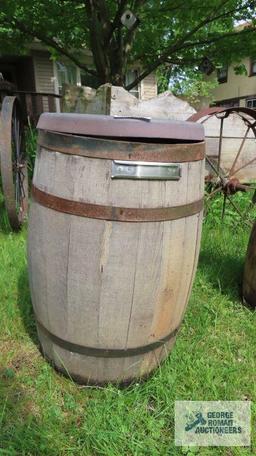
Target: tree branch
{"x":100,"y":5}
{"x":179,"y":44}
{"x":121,"y":8}
{"x":217,"y":38}
{"x":48,"y":42}
{"x":116,"y":21}
{"x":97,"y":40}
{"x":138,"y":4}
{"x":161,"y":59}
{"x":169,"y":9}
{"x":201,"y":24}
{"x":131,"y":32}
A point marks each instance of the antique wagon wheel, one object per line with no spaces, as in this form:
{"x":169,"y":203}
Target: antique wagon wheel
{"x":13,"y":161}
{"x":232,"y":176}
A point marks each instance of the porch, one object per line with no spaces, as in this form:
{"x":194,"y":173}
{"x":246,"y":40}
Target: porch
{"x":19,"y":76}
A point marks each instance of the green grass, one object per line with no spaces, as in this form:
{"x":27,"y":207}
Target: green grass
{"x":43,"y":413}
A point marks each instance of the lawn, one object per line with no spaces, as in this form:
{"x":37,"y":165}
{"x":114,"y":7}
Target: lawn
{"x":43,"y":413}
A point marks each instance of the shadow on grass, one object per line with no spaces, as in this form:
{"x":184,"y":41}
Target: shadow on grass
{"x":223,"y":271}
{"x":21,"y":427}
{"x":25,"y":306}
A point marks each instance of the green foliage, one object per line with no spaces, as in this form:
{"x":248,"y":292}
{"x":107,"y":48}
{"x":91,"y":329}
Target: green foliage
{"x":43,"y":413}
{"x":31,"y":147}
{"x":192,"y":85}
{"x":174,"y":33}
{"x":240,"y":202}
{"x":241,"y":70}
{"x":163,"y":75}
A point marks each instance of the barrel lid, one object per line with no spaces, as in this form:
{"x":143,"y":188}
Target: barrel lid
{"x":121,"y":127}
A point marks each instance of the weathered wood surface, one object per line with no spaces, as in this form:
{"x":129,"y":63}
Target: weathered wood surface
{"x":249,"y":279}
{"x":35,"y":103}
{"x":106,"y":284}
{"x":234,"y":130}
{"x":112,"y":100}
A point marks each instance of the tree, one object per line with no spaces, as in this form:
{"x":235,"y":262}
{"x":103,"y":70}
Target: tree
{"x":173,"y":34}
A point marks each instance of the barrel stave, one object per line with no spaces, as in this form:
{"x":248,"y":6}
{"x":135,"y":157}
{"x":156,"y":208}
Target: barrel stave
{"x":107,"y":284}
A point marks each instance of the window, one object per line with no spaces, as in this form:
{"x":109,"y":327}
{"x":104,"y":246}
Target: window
{"x":131,"y":75}
{"x":251,"y":103}
{"x":231,"y":103}
{"x":253,"y":67}
{"x":67,"y":74}
{"x":222,"y":74}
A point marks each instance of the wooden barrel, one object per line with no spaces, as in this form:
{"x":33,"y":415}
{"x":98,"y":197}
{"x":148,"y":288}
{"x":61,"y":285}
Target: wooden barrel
{"x":249,"y":279}
{"x":114,"y":234}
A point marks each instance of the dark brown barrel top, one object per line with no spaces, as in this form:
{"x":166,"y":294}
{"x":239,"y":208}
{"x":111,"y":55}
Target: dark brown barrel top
{"x":122,"y":127}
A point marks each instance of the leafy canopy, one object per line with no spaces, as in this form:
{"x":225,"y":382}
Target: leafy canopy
{"x":170,"y":34}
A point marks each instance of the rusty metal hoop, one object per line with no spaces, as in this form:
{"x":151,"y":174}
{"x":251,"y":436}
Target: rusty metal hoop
{"x":13,"y":162}
{"x":227,"y":181}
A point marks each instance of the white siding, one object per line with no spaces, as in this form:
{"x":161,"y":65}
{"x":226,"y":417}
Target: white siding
{"x":44,"y":75}
{"x":237,"y":86}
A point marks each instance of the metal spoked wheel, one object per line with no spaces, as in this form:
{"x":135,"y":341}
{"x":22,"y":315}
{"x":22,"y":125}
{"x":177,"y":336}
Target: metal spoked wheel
{"x":230,"y":155}
{"x":13,"y":162}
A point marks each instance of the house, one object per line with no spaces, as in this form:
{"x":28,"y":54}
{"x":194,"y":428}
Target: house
{"x":234,"y":89}
{"x":40,"y":79}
